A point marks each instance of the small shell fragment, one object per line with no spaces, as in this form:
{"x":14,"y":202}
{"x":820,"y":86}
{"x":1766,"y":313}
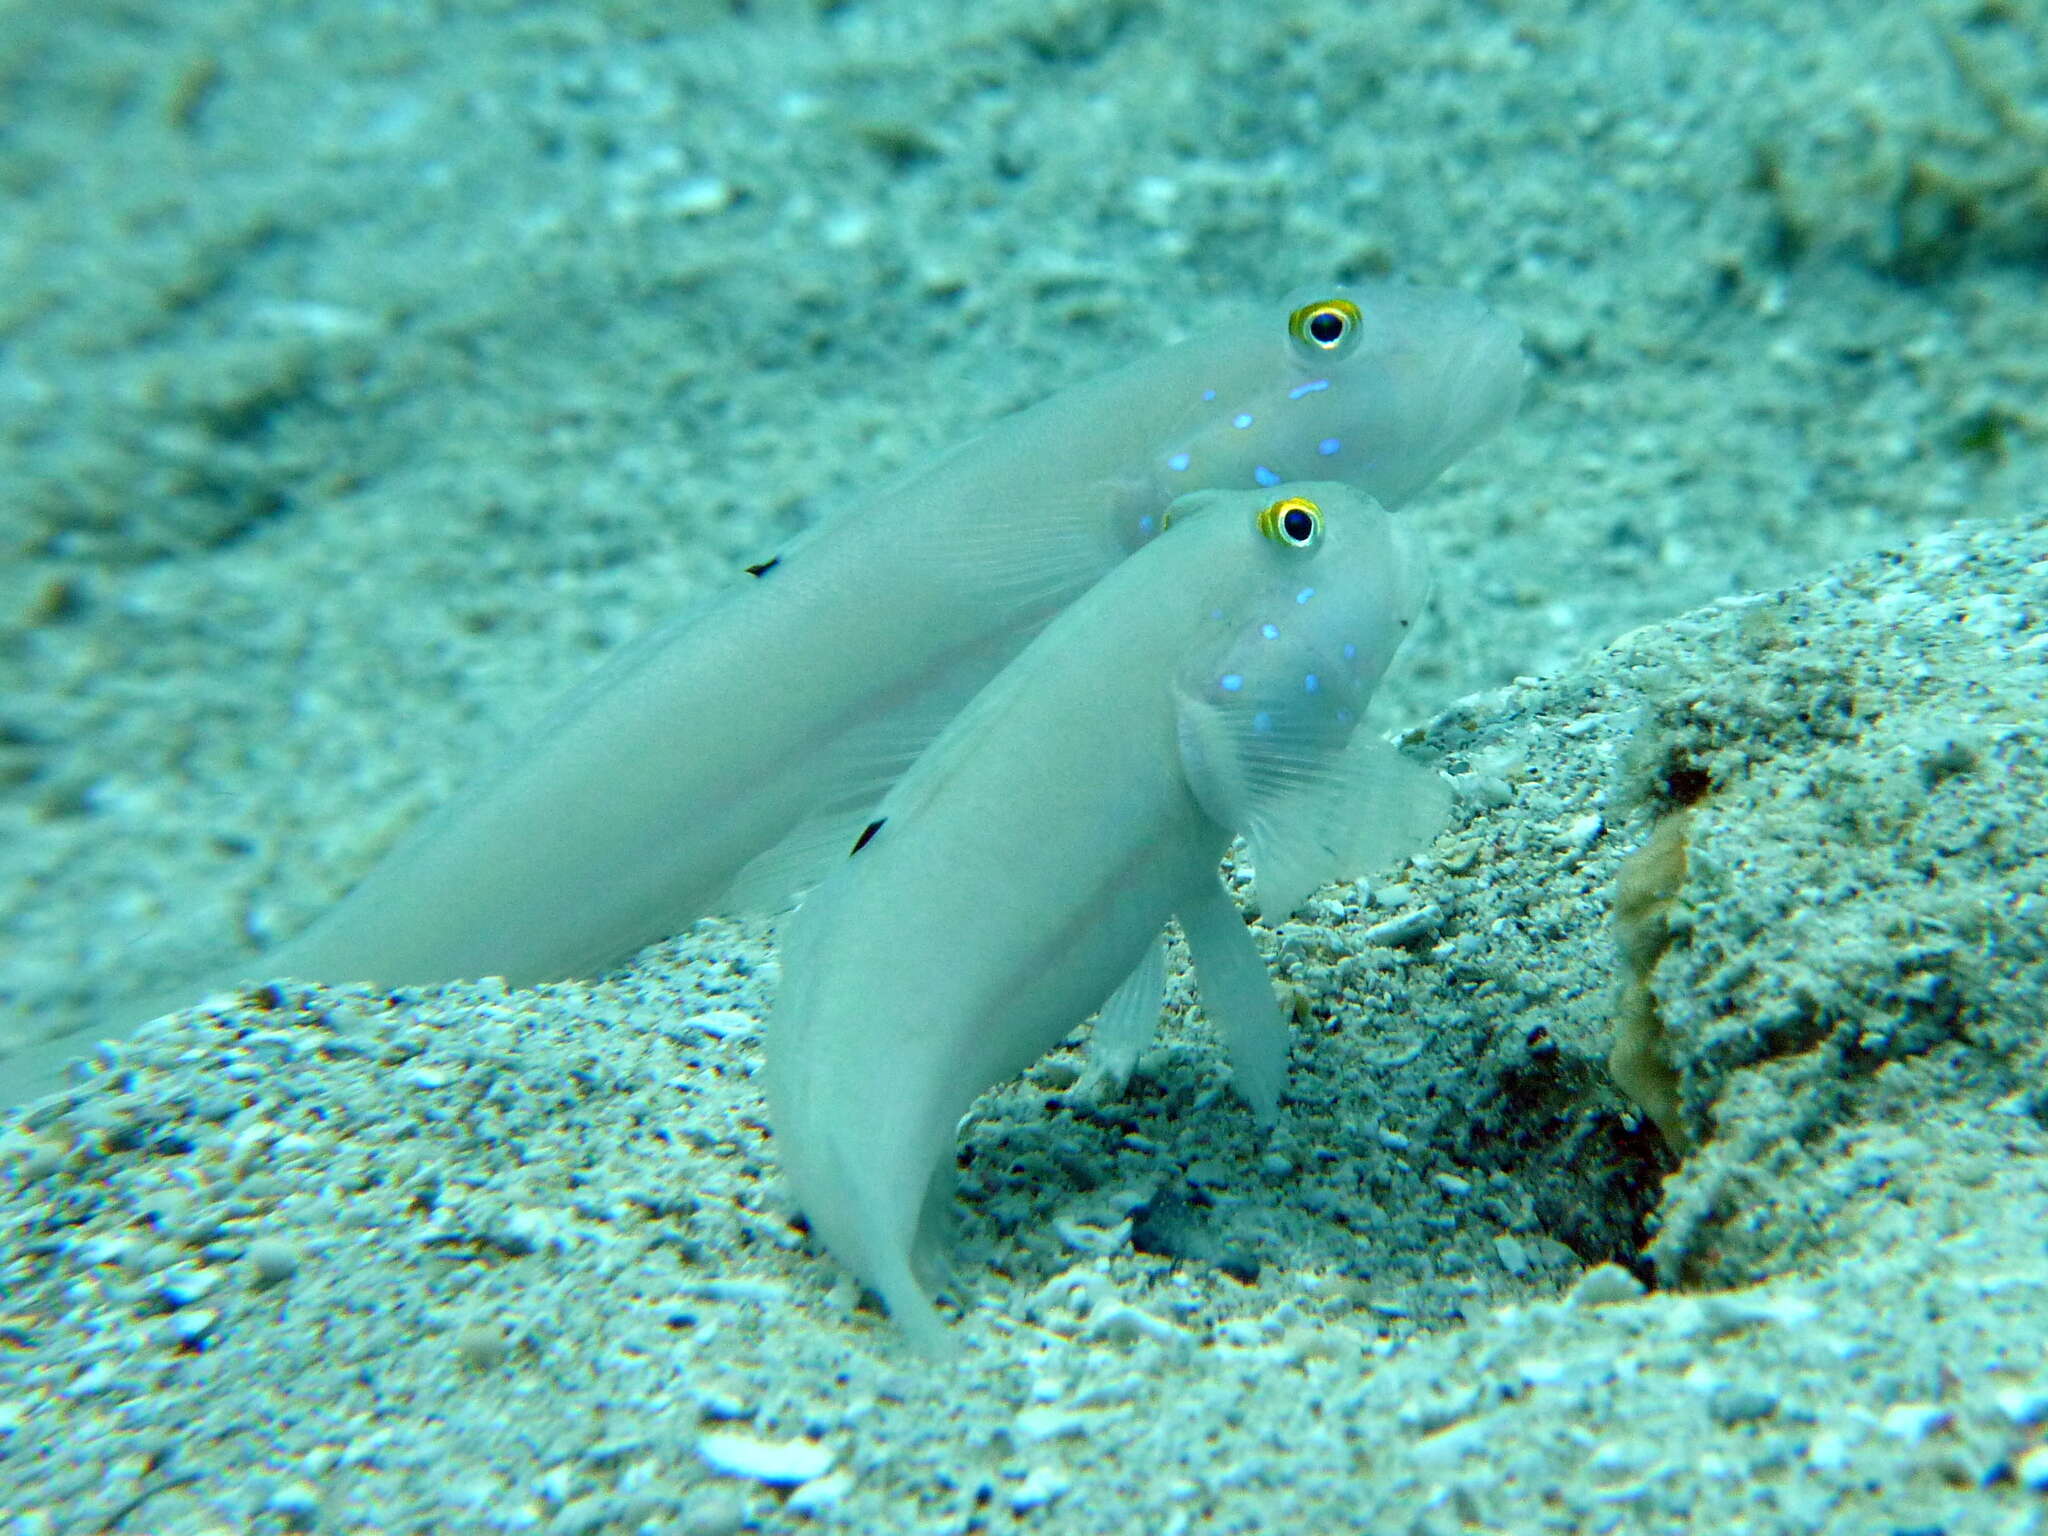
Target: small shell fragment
{"x":1397,"y":932}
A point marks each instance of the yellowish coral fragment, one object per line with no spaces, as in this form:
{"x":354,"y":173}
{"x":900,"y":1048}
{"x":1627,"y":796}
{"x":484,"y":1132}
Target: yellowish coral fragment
{"x":1640,"y":1061}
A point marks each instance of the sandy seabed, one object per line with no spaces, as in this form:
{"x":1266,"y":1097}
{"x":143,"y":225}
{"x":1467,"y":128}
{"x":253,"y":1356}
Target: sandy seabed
{"x":367,"y":374}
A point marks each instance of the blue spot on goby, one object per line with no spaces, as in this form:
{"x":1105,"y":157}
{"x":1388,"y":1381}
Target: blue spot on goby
{"x":1270,"y":631}
{"x":1230,"y":682}
{"x":1350,"y":651}
{"x":1309,"y":388}
{"x":1147,"y":523}
{"x":1241,"y":420}
{"x":1262,"y":721}
{"x":1304,"y":594}
{"x":1215,"y":613}
{"x":1208,"y":394}
{"x":1264,"y":475}
{"x":1311,"y":683}
{"x":1178,"y":461}
{"x":1343,"y":717}
{"x":1328,"y":446}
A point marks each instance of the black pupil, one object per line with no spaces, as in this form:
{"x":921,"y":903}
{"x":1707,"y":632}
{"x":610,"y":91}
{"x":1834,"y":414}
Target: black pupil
{"x":1298,"y":525}
{"x":1326,"y":327}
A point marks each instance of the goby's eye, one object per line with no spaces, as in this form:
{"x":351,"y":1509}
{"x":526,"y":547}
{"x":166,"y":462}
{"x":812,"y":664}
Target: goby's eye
{"x":1294,"y":522}
{"x":1325,"y":325}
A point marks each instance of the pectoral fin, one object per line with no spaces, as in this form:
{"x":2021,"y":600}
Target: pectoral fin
{"x":1237,"y":994}
{"x":1124,"y":1026}
{"x":1309,"y":814}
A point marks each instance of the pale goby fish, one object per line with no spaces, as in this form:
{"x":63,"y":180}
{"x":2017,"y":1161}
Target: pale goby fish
{"x":719,"y":763}
{"x":1023,"y":869}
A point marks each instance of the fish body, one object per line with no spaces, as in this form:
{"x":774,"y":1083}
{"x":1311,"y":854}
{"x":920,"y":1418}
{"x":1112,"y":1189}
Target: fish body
{"x":1024,"y":867}
{"x":717,"y":765}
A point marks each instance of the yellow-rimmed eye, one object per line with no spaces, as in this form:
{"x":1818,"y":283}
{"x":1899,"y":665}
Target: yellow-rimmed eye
{"x":1293,"y":521}
{"x":1325,"y":325}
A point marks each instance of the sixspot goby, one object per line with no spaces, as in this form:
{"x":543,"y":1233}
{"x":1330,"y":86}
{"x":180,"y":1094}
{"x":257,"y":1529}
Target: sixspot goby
{"x":1025,"y":866}
{"x":717,"y":765}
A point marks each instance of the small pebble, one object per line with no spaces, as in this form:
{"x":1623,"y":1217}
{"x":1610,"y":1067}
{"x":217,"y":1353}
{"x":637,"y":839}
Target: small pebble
{"x":181,"y":1287}
{"x":1829,"y":1451}
{"x":2024,"y":1405}
{"x":190,"y":1329}
{"x":1617,"y":1460}
{"x":699,"y":197}
{"x":1604,"y":1284}
{"x":481,"y":1346}
{"x":1486,"y":790}
{"x":579,"y":1517}
{"x":2032,"y":1469}
{"x":609,"y":1453}
{"x":1914,"y":1422}
{"x":1033,"y":1426}
{"x":1041,"y":1485}
{"x":93,"y":1380}
{"x":272,"y":1261}
{"x":37,"y":1160}
{"x":726,"y":1288}
{"x":724,"y":1024}
{"x":712,"y":1512}
{"x":1582,"y":833}
{"x":1720,"y":1316}
{"x":820,"y":1493}
{"x":719,"y":1403}
{"x":1427,"y":1415}
{"x":519,"y":1232}
{"x":1123,"y":1324}
{"x":295,"y":1503}
{"x":779,"y":1463}
{"x":1405,"y":929}
{"x":1728,"y":1406}
{"x":1056,"y":1075}
{"x":1083,"y":1237}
